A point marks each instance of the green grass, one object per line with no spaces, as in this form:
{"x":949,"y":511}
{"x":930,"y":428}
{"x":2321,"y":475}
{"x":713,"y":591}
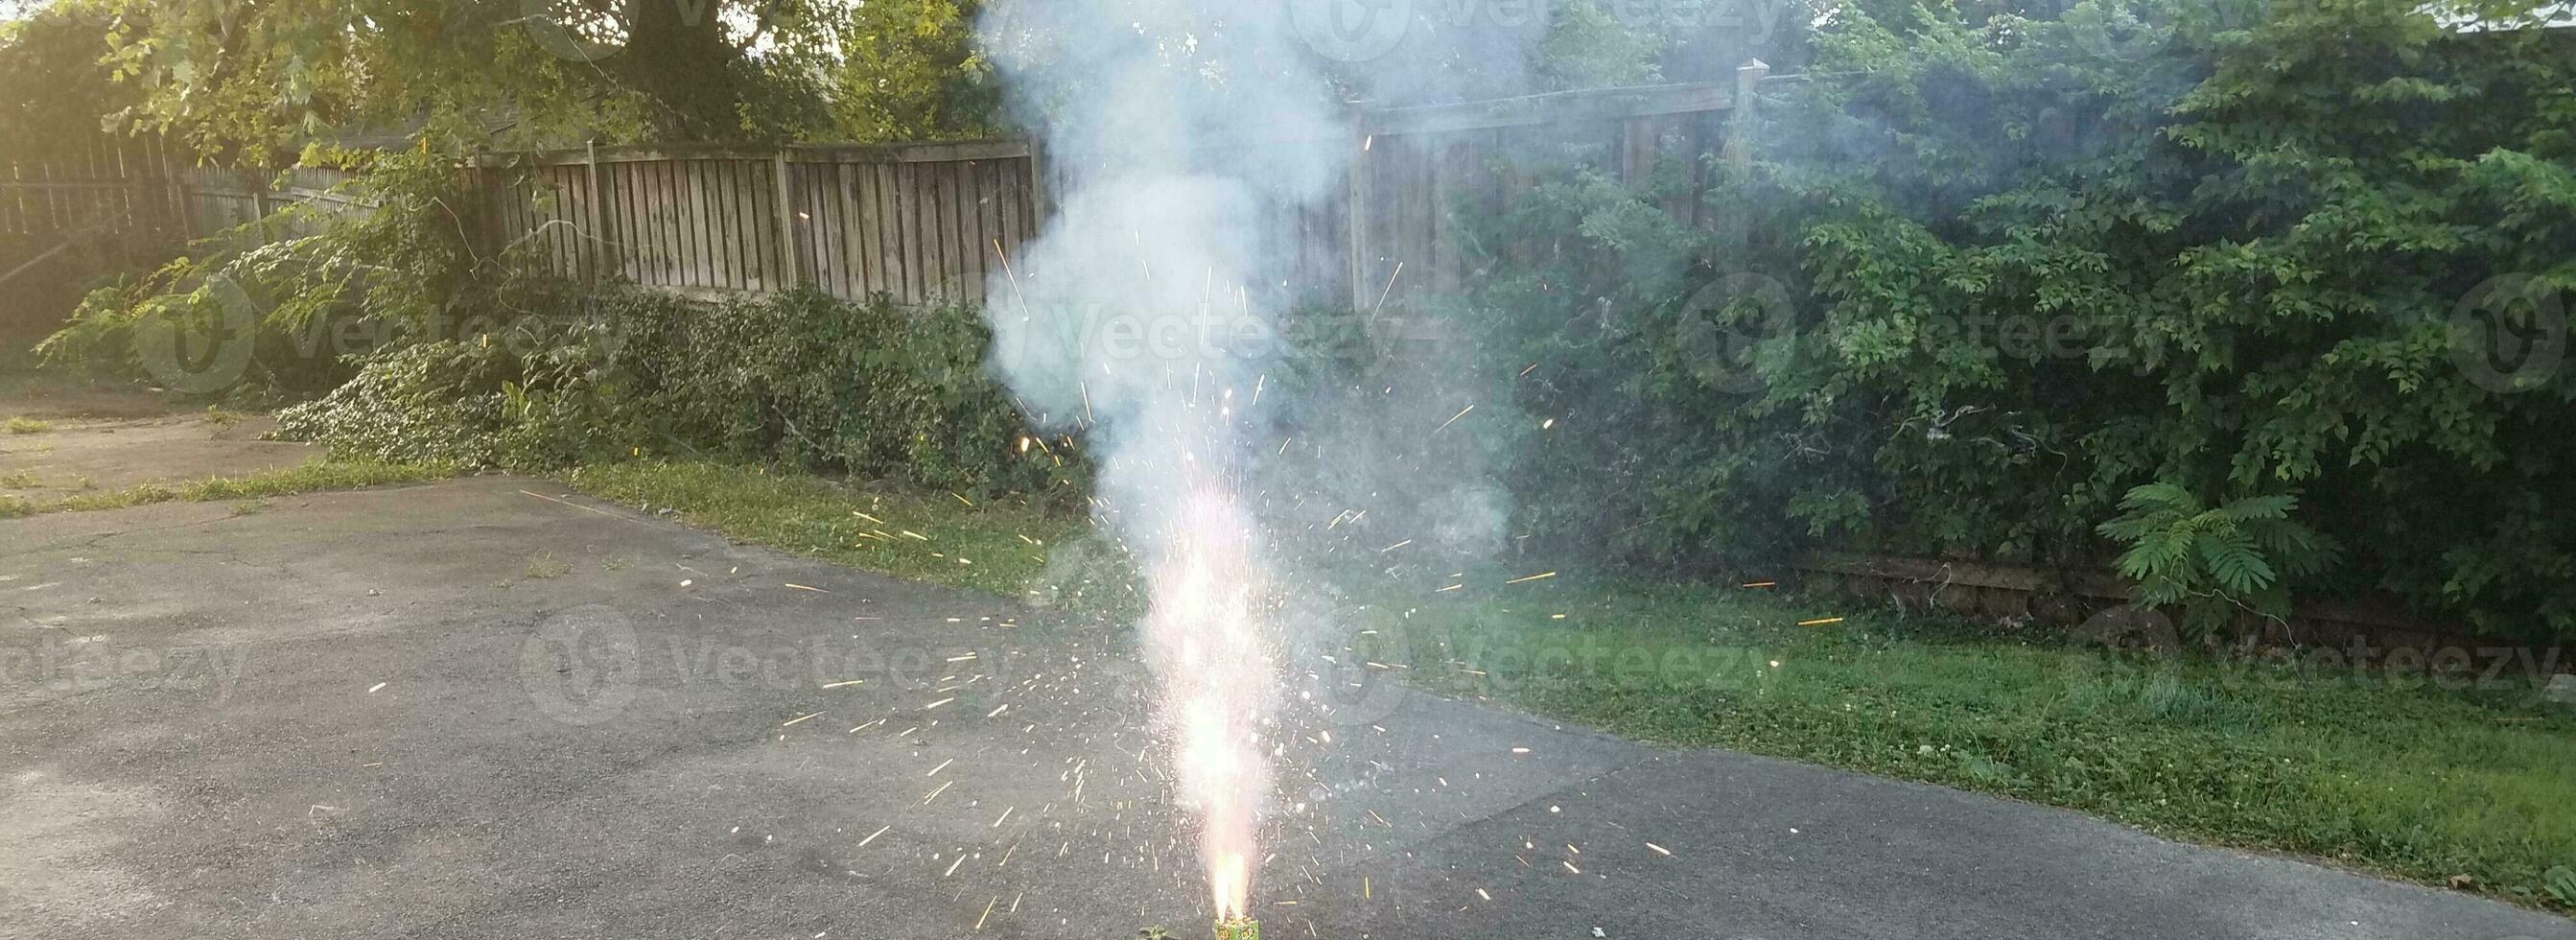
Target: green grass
{"x":2368,"y":770}
{"x":21,"y":424}
{"x":546,"y":565}
{"x":2409,"y":780}
{"x":935,"y":537}
{"x":286,"y":481}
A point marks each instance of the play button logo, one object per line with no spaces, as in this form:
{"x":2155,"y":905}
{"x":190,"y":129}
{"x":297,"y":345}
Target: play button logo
{"x":581,"y":665}
{"x":1351,"y":30}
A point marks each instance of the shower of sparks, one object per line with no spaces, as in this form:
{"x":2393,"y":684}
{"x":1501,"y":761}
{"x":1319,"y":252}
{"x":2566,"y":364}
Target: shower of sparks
{"x":1204,"y":633}
{"x":1820,"y":621}
{"x":1522,"y":580}
{"x":1390,"y":289}
{"x":1453,"y":419}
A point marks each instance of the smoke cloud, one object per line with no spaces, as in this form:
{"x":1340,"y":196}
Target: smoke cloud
{"x":1176,"y":131}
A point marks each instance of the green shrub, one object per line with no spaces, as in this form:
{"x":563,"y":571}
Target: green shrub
{"x":866,"y":389}
{"x":2214,"y":561}
{"x":297,"y":294}
{"x":2258,"y":253}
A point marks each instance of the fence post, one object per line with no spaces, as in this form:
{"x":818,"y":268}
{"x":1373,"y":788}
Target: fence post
{"x":1355,"y":214}
{"x":597,"y":216}
{"x":1739,"y":132}
{"x":258,"y":205}
{"x":181,"y":220}
{"x":788,"y":274}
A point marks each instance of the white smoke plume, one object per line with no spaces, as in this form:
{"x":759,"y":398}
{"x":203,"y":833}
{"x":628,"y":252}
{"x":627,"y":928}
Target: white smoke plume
{"x":1177,"y":132}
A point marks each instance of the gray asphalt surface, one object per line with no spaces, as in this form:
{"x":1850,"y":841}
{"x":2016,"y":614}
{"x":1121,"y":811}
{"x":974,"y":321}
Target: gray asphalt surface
{"x":492,"y":708}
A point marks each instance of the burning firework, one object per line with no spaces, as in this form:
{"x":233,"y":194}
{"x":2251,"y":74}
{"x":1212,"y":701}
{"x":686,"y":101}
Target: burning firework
{"x":1238,"y":928}
{"x":1180,"y":132}
{"x":1204,"y":634}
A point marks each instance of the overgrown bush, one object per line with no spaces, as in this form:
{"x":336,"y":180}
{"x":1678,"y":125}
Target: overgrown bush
{"x":867,"y":389}
{"x":1987,"y":278}
{"x":278,"y":305}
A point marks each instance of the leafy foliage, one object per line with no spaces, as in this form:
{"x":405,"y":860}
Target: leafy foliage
{"x":313,"y":290}
{"x":870,"y":390}
{"x":1990,"y":275}
{"x":250,"y":83}
{"x":2217,"y":560}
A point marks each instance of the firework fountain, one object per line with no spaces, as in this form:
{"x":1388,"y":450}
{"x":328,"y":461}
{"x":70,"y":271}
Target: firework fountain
{"x":1177,"y":131}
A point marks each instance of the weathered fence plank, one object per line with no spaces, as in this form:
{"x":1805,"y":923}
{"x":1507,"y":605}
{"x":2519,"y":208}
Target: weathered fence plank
{"x":933,"y":222}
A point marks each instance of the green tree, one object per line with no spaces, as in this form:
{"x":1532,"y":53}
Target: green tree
{"x":911,"y":71}
{"x":252,"y":79}
{"x":54,"y":94}
{"x":2036,"y":263}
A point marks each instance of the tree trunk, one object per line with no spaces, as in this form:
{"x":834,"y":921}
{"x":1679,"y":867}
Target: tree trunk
{"x":677,"y":57}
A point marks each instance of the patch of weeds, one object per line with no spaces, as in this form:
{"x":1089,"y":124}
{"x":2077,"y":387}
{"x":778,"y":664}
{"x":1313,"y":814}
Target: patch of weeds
{"x":286,"y":481}
{"x":2407,"y":779}
{"x":999,"y":545}
{"x":18,"y":480}
{"x":21,"y":424}
{"x":222,"y":417}
{"x":84,"y":482}
{"x":2404,"y":778}
{"x":546,"y":565}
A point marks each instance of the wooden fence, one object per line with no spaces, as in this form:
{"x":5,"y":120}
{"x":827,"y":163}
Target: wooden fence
{"x":926,"y":223}
{"x":918,"y":222}
{"x":128,"y":186}
{"x":1420,"y":165}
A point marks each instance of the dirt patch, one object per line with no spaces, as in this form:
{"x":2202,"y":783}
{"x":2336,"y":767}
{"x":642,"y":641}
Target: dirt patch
{"x":72,"y":455}
{"x":53,"y":399}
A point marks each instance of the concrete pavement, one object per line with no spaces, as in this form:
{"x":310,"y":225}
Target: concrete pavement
{"x":489,"y":707}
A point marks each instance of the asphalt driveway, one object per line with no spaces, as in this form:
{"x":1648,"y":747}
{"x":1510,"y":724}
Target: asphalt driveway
{"x":493,"y":708}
